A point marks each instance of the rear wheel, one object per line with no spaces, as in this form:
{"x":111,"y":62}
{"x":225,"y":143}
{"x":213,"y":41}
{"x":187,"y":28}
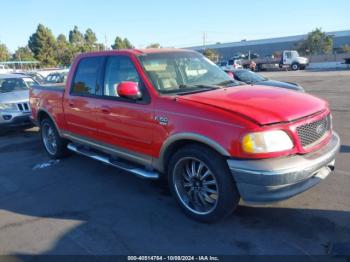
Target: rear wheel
{"x":202,"y":183}
{"x":55,"y":146}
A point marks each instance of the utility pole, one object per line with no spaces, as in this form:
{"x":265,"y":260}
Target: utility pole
{"x":106,"y":48}
{"x":204,"y":39}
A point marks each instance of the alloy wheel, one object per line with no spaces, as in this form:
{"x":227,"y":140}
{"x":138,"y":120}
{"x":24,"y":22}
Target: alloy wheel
{"x":196,"y":185}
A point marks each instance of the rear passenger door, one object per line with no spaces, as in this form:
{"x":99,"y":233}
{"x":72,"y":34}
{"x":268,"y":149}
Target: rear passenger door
{"x":80,"y":103}
{"x":124,"y":123}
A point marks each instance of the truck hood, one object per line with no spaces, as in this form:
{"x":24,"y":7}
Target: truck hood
{"x":261,"y":104}
{"x":15,"y":96}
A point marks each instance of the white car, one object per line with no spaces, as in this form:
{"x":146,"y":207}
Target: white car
{"x":14,"y":100}
{"x":5,"y":70}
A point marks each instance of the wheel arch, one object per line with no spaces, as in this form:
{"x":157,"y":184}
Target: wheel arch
{"x":177,"y":141}
{"x":44,"y":114}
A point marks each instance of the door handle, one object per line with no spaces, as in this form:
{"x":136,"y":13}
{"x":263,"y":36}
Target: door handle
{"x":70,"y":104}
{"x":105,"y":110}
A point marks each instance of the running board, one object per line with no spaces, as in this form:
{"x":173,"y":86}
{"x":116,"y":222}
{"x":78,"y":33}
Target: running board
{"x":105,"y":159}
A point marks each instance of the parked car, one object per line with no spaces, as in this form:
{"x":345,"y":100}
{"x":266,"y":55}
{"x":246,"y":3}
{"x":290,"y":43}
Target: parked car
{"x":173,"y":114}
{"x":56,"y":78}
{"x":14,"y":100}
{"x":250,"y":77}
{"x":36,"y":76}
{"x":5,"y":70}
{"x":232,"y":63}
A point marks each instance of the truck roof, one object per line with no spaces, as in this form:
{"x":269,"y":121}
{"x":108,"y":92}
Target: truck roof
{"x":138,"y":51}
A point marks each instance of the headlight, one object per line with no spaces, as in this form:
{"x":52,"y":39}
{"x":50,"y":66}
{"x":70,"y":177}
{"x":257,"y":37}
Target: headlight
{"x":5,"y":106}
{"x":266,"y":142}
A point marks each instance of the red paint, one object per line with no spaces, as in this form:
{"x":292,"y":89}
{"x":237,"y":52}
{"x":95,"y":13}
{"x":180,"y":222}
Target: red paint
{"x":128,"y":89}
{"x":223,"y":115}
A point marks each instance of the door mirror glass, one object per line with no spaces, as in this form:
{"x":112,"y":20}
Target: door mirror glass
{"x":129,"y":90}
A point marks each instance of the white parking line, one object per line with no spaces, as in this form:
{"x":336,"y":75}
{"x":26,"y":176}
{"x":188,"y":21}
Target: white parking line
{"x":46,"y":164}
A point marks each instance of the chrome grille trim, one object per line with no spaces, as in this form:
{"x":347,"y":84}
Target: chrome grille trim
{"x":312,"y":133}
{"x":23,"y":107}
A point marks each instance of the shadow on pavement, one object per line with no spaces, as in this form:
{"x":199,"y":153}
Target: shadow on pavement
{"x":100,"y":213}
{"x":83,"y":207}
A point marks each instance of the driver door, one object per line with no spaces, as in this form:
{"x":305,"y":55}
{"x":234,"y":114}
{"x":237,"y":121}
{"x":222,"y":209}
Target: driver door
{"x":124,"y":123}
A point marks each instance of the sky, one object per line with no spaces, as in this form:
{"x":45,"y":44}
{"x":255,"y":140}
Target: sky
{"x":172,"y":23}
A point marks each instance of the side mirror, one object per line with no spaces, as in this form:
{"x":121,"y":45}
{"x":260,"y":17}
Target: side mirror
{"x":129,"y":90}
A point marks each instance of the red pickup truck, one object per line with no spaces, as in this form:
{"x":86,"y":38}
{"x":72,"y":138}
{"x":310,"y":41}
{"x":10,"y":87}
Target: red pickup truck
{"x":170,"y":113}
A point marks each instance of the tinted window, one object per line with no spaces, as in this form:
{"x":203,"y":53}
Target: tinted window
{"x":119,"y":69}
{"x":87,"y":74}
{"x":12,"y":84}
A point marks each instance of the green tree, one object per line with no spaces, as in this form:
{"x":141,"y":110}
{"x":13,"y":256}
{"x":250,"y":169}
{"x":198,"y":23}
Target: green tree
{"x":120,"y":43}
{"x":211,"y":54}
{"x":4,"y":53}
{"x":90,"y":40}
{"x":154,"y":45}
{"x":23,"y":54}
{"x":43,"y":44}
{"x":317,"y":42}
{"x":100,"y":46}
{"x":76,"y":38}
{"x":127,"y":44}
{"x":64,"y":51}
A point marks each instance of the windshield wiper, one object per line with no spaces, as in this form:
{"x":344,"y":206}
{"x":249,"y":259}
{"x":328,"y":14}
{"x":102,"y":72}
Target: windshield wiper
{"x":196,"y":88}
{"x":227,"y":82}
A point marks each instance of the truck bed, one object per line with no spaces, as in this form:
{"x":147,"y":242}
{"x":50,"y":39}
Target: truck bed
{"x":47,"y":97}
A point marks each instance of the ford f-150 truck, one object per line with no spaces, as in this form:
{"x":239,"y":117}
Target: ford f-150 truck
{"x":173,"y":114}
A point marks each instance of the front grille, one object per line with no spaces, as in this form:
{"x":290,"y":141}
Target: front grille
{"x":23,"y":107}
{"x":312,"y":133}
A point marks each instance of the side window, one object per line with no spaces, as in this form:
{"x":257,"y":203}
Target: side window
{"x":87,"y":76}
{"x":288,"y":55}
{"x":119,"y":69}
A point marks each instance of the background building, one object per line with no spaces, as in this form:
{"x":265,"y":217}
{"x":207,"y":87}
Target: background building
{"x":266,"y":47}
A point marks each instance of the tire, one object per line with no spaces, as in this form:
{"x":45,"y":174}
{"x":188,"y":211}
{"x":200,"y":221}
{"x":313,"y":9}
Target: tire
{"x":295,"y":66}
{"x":55,"y":146}
{"x":209,"y":196}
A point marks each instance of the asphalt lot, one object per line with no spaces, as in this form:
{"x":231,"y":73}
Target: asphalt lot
{"x":80,"y":206}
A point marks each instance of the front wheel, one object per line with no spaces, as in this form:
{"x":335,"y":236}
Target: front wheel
{"x":295,"y":67}
{"x":202,"y":184}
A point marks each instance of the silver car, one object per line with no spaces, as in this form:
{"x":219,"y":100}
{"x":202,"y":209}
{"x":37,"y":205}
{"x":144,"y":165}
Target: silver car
{"x":14,"y":100}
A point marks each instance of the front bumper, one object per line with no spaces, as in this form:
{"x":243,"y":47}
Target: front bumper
{"x":16,"y":119}
{"x":270,"y":180}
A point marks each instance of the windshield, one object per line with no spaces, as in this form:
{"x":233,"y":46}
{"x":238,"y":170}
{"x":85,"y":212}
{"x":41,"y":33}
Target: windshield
{"x":248,"y":76}
{"x":180,"y":72}
{"x":12,"y":84}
